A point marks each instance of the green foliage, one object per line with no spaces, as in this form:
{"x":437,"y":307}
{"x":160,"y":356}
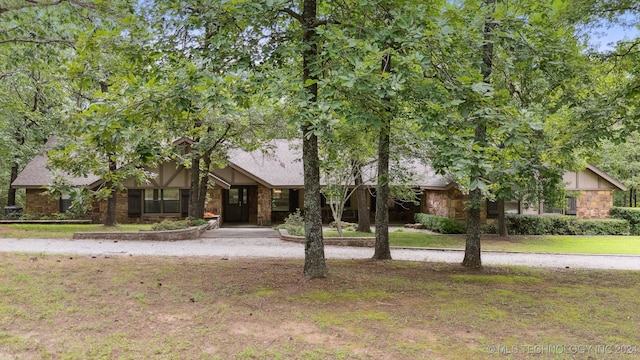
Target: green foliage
{"x":294,"y":223}
{"x":632,"y":215}
{"x":177,"y":224}
{"x":440,"y":224}
{"x":564,"y":225}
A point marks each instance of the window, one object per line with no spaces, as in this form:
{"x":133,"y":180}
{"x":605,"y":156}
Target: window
{"x":65,"y":203}
{"x":510,"y":207}
{"x":572,"y":205}
{"x":135,"y":202}
{"x":162,"y":201}
{"x":234,"y":196}
{"x":280,"y":199}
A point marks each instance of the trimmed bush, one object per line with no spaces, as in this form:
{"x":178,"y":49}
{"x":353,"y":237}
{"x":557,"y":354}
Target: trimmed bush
{"x":564,"y":225}
{"x":177,"y":224}
{"x":441,"y":224}
{"x":632,"y":215}
{"x":602,"y":227}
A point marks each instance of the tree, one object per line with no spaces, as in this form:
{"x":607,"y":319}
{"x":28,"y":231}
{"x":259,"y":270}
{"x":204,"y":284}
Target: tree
{"x":499,"y":133}
{"x":112,"y":134}
{"x":208,"y":53}
{"x":375,"y":94}
{"x":34,"y":40}
{"x":344,"y":157}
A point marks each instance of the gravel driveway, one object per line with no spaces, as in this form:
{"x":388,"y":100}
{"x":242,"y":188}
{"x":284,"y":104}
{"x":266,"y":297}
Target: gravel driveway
{"x":263,"y":243}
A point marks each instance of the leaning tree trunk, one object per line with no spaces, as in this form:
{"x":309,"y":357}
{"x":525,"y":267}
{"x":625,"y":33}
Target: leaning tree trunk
{"x":110,"y":216}
{"x":314,"y":260}
{"x":364,"y":215}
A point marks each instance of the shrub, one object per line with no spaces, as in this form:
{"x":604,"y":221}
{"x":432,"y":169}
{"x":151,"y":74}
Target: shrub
{"x":440,"y":224}
{"x":632,"y":215}
{"x":564,"y":225}
{"x":602,"y":227}
{"x":294,"y":224}
{"x":177,"y":224}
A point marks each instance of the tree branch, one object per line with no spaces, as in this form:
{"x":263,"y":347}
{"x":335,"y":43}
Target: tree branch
{"x":293,"y":14}
{"x":36,"y":3}
{"x":37,"y":41}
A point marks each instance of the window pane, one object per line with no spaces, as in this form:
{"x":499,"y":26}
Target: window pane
{"x":280,"y":200}
{"x":171,"y":206}
{"x":512,"y":207}
{"x":234,"y":196}
{"x":152,"y":201}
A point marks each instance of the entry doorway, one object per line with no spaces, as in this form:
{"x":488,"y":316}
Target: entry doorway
{"x":237,"y":203}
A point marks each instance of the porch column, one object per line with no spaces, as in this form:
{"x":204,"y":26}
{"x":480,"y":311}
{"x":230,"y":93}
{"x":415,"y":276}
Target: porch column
{"x":264,"y":206}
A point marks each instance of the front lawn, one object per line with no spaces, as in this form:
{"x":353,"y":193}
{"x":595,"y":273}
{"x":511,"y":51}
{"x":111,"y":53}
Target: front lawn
{"x":61,"y":231}
{"x":121,"y":307}
{"x":626,"y":245}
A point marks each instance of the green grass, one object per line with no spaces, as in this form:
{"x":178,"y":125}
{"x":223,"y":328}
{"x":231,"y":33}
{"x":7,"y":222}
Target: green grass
{"x":625,"y":245}
{"x":629,"y":245}
{"x":80,"y":308}
{"x":60,"y":231}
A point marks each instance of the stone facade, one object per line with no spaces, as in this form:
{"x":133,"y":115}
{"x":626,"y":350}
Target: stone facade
{"x":449,"y":203}
{"x":39,"y":203}
{"x":214,"y":205}
{"x":594,"y":204}
{"x":122,"y":209}
{"x":264,"y":206}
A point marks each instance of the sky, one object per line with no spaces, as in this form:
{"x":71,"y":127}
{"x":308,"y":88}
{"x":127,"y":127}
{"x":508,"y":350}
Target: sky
{"x":604,"y":38}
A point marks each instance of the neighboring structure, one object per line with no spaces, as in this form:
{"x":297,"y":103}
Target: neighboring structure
{"x":264,"y":186}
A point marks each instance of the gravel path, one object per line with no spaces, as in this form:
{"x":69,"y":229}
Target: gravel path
{"x":274,"y":247}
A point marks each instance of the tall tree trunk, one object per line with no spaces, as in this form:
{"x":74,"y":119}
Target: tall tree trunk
{"x":204,"y":186}
{"x":502,"y":221}
{"x":194,"y":186}
{"x":472,"y":247}
{"x":364,"y":215}
{"x":314,"y":260}
{"x":110,"y":216}
{"x":382,"y":249}
{"x":15,"y":168}
{"x":11,"y":196}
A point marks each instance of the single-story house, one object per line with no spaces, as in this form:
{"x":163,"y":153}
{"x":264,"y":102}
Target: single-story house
{"x":264,"y":186}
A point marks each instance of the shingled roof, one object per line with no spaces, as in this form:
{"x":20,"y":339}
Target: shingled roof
{"x":37,"y":175}
{"x":280,"y":166}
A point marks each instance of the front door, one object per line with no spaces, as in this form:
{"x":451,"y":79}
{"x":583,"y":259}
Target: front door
{"x":237,"y":204}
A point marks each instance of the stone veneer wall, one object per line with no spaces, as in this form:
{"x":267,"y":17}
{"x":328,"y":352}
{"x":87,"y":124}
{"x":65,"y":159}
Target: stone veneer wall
{"x":264,"y":206}
{"x":594,"y":204}
{"x":122,"y":210}
{"x":215,"y":203}
{"x":39,"y":203}
{"x":449,"y":203}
